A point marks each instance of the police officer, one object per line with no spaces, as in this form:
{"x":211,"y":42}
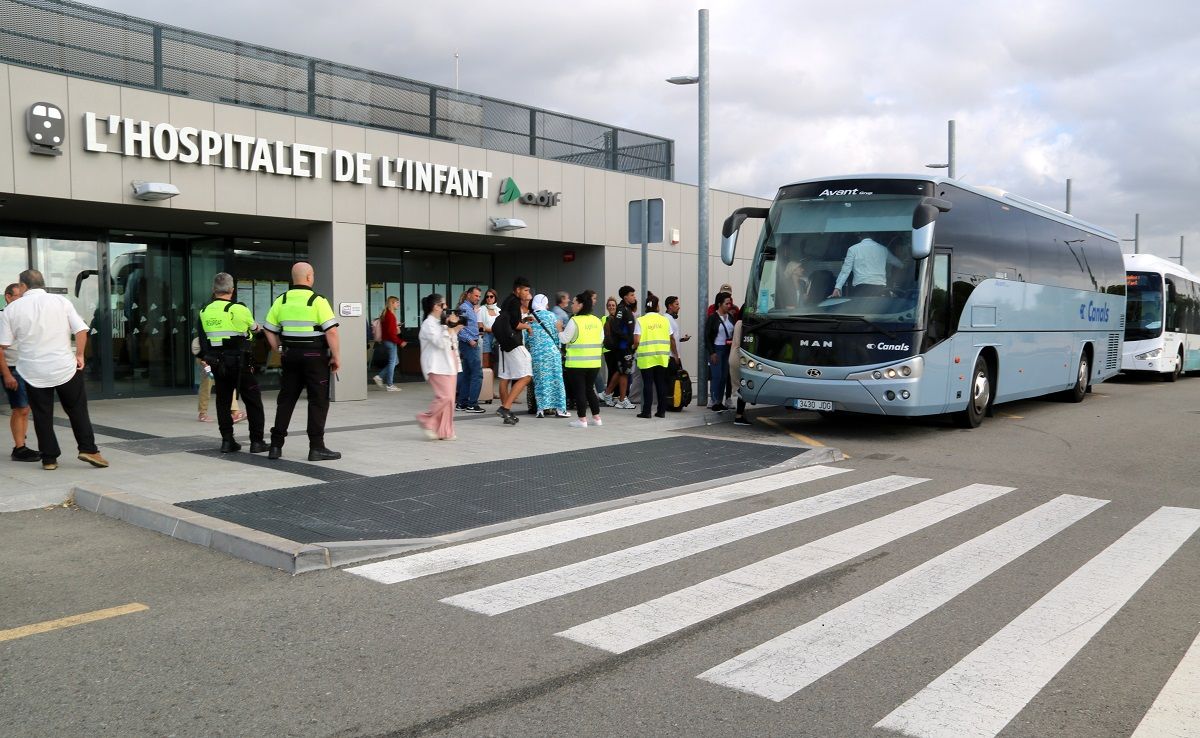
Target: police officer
{"x":654,"y":343}
{"x":301,"y":324}
{"x":226,"y":329}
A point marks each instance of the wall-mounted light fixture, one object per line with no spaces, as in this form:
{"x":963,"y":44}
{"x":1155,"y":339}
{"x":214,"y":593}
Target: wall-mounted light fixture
{"x":152,"y":191}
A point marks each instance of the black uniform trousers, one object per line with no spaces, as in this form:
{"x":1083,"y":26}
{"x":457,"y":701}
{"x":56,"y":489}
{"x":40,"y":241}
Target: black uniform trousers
{"x":73,"y":396}
{"x":303,"y":369}
{"x":654,"y":382}
{"x":231,"y":372}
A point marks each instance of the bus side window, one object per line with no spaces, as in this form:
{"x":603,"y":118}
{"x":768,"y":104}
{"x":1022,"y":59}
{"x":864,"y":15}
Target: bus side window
{"x":939,"y":301}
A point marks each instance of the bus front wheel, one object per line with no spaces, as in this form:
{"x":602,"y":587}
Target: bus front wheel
{"x":981,"y":396}
{"x":1178,"y":370}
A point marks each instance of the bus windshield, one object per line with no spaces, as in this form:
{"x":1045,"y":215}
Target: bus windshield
{"x":838,"y":256}
{"x":1143,"y":306}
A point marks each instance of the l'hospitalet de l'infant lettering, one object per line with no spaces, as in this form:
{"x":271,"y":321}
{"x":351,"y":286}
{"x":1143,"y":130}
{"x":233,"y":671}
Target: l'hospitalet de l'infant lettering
{"x":188,"y":145}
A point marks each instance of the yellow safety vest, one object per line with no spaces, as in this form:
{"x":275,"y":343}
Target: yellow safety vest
{"x":654,"y":346}
{"x":583,"y":352}
{"x":300,"y":317}
{"x":226,"y":324}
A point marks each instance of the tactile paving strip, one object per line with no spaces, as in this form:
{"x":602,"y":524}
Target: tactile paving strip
{"x":438,"y":501}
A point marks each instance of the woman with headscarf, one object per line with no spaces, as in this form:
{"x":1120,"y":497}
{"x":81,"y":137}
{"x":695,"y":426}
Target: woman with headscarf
{"x":548,"y":387}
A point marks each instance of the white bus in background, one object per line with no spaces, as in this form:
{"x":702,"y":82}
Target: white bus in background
{"x":1162,"y":323}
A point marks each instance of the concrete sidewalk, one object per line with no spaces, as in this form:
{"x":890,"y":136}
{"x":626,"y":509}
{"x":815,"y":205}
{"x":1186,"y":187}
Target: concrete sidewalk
{"x":165,"y":466}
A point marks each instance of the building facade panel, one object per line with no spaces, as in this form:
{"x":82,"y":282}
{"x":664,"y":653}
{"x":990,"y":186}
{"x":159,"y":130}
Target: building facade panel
{"x":96,"y":184}
{"x":237,"y":191}
{"x":45,"y":176}
{"x":6,"y":133}
{"x":276,"y":194}
{"x":197,"y":185}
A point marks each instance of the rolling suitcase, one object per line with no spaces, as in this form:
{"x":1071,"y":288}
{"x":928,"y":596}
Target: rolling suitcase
{"x":487,"y":390}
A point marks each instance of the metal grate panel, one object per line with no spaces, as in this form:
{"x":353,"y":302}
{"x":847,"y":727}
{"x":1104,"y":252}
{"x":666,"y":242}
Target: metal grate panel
{"x":1113,"y":361}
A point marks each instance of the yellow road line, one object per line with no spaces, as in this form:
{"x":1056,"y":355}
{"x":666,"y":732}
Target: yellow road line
{"x":87,"y":617}
{"x":798,"y":436}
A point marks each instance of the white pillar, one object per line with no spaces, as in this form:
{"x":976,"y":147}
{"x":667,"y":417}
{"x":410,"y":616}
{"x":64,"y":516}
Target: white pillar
{"x":338,"y":254}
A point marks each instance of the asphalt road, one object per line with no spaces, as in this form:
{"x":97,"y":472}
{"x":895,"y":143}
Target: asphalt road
{"x":1001,"y":609}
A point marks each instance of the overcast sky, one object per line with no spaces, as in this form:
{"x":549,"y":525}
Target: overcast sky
{"x":1105,"y":92}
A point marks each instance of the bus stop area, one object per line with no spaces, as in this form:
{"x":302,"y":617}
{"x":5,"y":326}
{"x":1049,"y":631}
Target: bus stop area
{"x":393,"y":490}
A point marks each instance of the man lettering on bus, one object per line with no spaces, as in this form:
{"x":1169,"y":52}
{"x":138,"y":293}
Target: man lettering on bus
{"x":868,"y":261}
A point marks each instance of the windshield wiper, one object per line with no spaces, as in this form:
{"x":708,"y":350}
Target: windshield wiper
{"x":840,"y":317}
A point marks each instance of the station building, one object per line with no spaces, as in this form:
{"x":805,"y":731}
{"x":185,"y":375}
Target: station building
{"x":138,"y":159}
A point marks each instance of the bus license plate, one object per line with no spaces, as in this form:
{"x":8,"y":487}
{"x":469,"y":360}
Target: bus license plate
{"x":812,"y":405}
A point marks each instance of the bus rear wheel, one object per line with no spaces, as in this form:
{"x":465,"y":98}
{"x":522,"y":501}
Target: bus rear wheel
{"x":1079,"y":391}
{"x":981,"y":396}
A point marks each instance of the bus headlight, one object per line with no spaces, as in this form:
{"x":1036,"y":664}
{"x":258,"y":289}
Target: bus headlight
{"x":1150,"y":354}
{"x":909,"y":368}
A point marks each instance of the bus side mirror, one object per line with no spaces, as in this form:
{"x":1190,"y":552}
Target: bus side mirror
{"x":924,"y":218}
{"x":729,"y":231}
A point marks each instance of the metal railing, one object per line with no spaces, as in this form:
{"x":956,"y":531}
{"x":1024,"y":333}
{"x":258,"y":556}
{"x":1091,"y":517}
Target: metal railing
{"x":83,"y":41}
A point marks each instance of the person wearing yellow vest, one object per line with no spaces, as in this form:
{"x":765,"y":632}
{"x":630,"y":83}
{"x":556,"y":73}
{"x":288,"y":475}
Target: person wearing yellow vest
{"x":653,"y":344}
{"x":583,"y":338}
{"x":226,"y":329}
{"x":301,"y":324}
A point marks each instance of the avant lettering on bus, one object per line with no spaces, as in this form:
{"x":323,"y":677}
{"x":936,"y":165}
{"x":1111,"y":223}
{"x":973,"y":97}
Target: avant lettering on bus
{"x":188,"y":145}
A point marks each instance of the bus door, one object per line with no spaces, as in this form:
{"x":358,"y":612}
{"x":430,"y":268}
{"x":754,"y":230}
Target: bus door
{"x":940,"y":328}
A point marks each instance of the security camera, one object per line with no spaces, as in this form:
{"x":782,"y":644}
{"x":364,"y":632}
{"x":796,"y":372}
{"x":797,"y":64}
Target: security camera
{"x":151,"y":191}
{"x":507,"y":224}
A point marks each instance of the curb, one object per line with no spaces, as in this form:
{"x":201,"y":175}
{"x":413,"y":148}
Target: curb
{"x":294,"y":558}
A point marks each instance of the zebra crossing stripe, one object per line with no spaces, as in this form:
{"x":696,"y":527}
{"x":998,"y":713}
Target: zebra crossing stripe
{"x":790,"y":662}
{"x":641,"y":624}
{"x":982,"y":693}
{"x":547,"y":585}
{"x":1176,"y":711}
{"x":533,"y":539}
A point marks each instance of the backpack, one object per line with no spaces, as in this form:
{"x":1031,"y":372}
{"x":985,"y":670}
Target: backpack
{"x":377,"y":330}
{"x":679,"y":391}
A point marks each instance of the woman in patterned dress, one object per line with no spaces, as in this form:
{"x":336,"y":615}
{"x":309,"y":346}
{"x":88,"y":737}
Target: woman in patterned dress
{"x":548,"y":386}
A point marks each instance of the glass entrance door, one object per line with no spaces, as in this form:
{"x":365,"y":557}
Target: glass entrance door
{"x":148,"y":326}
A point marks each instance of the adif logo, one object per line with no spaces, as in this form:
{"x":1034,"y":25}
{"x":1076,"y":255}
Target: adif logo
{"x":46,"y":128}
{"x":510,"y":192}
{"x":888,"y":346}
{"x":1093,"y":313}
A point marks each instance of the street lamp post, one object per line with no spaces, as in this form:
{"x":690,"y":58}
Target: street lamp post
{"x":949,"y":165}
{"x":702,"y":235}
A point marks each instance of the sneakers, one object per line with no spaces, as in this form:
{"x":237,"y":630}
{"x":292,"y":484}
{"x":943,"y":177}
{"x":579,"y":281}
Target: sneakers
{"x":741,"y":420}
{"x":541,"y":413}
{"x":204,"y":418}
{"x":578,"y":423}
{"x":644,"y":415}
{"x":511,"y":419}
{"x":718,"y":408}
{"x":430,"y":434}
{"x":607,"y":399}
{"x":239,"y":416}
{"x":50,"y":465}
{"x":596,"y":421}
{"x":624,"y":404}
{"x":561,"y":414}
{"x":391,"y":388}
{"x":378,"y":380}
{"x":95,"y":459}
{"x":25,"y":453}
{"x":474,"y":409}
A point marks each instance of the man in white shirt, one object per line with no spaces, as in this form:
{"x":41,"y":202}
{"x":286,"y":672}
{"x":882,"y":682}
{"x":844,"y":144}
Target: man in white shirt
{"x":14,"y":387}
{"x":868,"y":260}
{"x":40,"y":325}
{"x":672,"y":306}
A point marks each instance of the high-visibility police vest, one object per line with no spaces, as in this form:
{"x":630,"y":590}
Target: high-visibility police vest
{"x":300,"y":317}
{"x":227,"y":324}
{"x":583,"y":352}
{"x":654,"y":346}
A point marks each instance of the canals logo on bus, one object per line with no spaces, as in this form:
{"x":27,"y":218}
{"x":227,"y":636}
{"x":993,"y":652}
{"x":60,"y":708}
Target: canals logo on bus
{"x":888,"y":346}
{"x":1093,"y":313}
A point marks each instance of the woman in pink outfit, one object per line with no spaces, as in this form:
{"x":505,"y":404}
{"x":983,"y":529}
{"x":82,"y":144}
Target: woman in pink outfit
{"x":440,"y":365}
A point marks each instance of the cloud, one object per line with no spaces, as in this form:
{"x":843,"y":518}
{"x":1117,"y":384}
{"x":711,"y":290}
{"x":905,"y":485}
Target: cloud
{"x":1101,"y":91}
